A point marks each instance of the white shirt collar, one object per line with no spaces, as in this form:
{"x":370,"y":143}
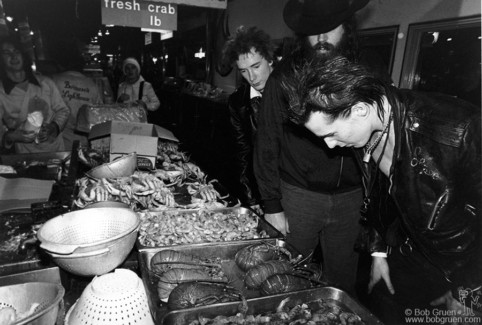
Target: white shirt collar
{"x":254,"y":93}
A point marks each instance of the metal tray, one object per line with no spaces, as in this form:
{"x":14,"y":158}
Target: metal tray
{"x":269,"y":304}
{"x":225,"y":250}
{"x":262,"y":225}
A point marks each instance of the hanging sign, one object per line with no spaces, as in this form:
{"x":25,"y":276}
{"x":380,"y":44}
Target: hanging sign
{"x":139,"y":13}
{"x":218,"y":4}
{"x":148,"y":38}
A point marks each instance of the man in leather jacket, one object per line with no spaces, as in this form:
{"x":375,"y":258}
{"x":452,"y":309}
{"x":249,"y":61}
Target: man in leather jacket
{"x":421,"y":160}
{"x":251,"y":51}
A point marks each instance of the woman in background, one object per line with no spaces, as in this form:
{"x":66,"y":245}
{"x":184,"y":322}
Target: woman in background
{"x":134,"y":89}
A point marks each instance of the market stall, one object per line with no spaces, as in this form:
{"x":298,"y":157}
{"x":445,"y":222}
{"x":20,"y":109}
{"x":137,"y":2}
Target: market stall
{"x":193,"y":249}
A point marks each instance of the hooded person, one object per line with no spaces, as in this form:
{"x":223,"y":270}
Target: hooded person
{"x":134,"y":89}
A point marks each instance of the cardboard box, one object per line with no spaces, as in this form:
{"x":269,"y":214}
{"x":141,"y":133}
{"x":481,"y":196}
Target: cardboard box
{"x":119,"y":138}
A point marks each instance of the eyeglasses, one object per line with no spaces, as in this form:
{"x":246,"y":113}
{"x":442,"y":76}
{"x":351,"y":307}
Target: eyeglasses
{"x":11,"y":53}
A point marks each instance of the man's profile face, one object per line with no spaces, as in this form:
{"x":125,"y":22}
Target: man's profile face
{"x":351,"y":131}
{"x":254,"y":68}
{"x":328,"y":43}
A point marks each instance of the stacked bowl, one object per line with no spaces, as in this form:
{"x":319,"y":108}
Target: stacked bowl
{"x":115,"y":298}
{"x":92,"y":241}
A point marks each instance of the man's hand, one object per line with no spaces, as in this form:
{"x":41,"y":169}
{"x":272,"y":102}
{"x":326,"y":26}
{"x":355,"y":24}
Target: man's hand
{"x":380,"y":270}
{"x":452,"y":304}
{"x":20,"y":135}
{"x":47,"y":131}
{"x":279,"y":221}
{"x":257,"y":208}
{"x":449,"y":301}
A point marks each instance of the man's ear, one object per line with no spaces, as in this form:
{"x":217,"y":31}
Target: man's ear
{"x":360,"y":109}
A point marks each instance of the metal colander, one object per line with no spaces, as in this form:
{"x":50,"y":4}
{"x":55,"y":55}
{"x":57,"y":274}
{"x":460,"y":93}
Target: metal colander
{"x":34,"y":302}
{"x":115,"y":298}
{"x":87,"y":230}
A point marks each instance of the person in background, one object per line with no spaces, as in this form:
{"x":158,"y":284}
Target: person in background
{"x":32,"y":111}
{"x":251,"y":51}
{"x":421,"y":160}
{"x":134,"y":89}
{"x":77,"y":90}
{"x":310,"y":193}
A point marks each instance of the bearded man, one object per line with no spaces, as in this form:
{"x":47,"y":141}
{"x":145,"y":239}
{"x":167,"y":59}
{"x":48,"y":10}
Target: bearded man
{"x":310,"y":193}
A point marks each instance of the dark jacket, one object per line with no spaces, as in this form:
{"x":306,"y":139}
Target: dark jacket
{"x":288,"y":152}
{"x":243,"y":120}
{"x":435,"y":190}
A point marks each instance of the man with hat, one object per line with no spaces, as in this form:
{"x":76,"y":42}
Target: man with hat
{"x":311,"y":194}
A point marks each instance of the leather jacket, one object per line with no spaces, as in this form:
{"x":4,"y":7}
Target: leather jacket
{"x":435,"y":193}
{"x":243,"y":119}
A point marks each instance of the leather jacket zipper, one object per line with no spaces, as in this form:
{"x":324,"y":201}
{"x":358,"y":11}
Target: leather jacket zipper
{"x":341,"y":171}
{"x":442,"y":200}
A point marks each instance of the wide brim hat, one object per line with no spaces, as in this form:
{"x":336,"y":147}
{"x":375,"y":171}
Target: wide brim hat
{"x":313,"y":17}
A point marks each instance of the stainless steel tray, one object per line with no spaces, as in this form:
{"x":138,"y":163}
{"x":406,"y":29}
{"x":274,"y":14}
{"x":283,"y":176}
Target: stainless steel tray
{"x":262,"y":225}
{"x":269,"y":304}
{"x":225,"y":250}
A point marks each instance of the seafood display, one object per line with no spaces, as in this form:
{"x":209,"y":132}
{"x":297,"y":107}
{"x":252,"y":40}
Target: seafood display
{"x":195,"y":294}
{"x":256,"y":275}
{"x":177,"y":227}
{"x":271,"y":269}
{"x":174,"y":177}
{"x":172,"y":268}
{"x":255,"y":254}
{"x":319,"y":311}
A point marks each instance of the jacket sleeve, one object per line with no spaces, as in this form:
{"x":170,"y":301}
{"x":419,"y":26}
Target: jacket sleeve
{"x":150,"y":98}
{"x":60,"y":110}
{"x":470,"y":276}
{"x":244,"y":152}
{"x":267,"y":146}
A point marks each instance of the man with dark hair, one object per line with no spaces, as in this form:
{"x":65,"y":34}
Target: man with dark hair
{"x":251,"y":50}
{"x":310,"y":193}
{"x":421,"y":159}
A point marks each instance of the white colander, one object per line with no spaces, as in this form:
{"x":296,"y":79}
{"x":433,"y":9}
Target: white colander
{"x":114,"y":298}
{"x":87,"y":230}
{"x":33,"y":302}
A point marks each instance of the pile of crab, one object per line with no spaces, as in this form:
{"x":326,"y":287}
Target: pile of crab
{"x":175,"y":227}
{"x":153,"y":190}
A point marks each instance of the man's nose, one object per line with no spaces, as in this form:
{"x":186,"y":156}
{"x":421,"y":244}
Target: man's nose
{"x":322,"y":38}
{"x":252,"y":76}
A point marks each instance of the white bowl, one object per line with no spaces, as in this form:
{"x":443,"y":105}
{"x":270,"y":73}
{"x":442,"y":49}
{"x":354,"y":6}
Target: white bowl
{"x":121,"y":167}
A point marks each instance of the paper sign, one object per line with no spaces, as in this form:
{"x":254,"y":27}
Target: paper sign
{"x":218,"y":4}
{"x":139,"y":13}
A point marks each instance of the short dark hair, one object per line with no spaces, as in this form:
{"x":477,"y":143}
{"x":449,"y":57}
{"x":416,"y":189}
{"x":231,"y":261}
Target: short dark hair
{"x":331,"y":85}
{"x":244,"y":39}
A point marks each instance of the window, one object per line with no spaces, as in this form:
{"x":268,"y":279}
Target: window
{"x":445,"y":57}
{"x":381,"y":41}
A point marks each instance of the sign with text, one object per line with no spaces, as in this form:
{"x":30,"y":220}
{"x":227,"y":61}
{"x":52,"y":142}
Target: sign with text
{"x":140,"y":13}
{"x":218,"y":4}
